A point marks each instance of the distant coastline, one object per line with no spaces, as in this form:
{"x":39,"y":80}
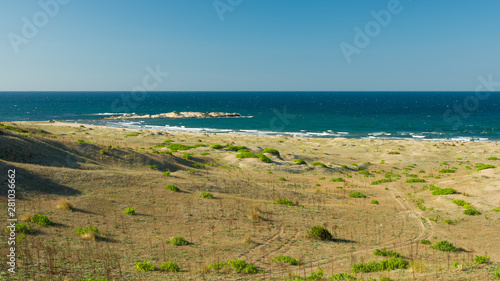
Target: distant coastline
{"x":172,"y":115}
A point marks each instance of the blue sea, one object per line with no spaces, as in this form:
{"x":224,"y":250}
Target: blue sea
{"x":464,"y":116}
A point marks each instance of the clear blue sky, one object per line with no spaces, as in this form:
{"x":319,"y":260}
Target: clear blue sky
{"x":260,"y":45}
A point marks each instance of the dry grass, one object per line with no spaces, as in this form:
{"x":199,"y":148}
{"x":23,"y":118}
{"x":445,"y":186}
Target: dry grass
{"x":92,"y":236}
{"x":26,"y":217}
{"x":64,"y":205}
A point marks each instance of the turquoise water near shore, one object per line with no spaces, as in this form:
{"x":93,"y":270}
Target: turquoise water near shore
{"x":390,"y":115}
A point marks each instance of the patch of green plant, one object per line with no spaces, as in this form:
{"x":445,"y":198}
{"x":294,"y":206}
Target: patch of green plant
{"x":80,"y":141}
{"x":286,"y":259}
{"x":497,"y":209}
{"x":445,"y":246}
{"x":480,"y":167}
{"x":381,"y":181}
{"x":373,"y":266}
{"x":187,"y":156}
{"x":444,"y":191}
{"x":178,"y":241}
{"x":207,"y":195}
{"x":374,"y":202}
{"x":168,"y":141}
{"x":447,"y":171}
{"x":322,"y":178}
{"x":387,"y":253}
{"x":496,"y":273}
{"x":86,"y":229}
{"x":94,"y":279}
{"x":319,"y":233}
{"x":145,"y":266}
{"x":236,"y":148}
{"x":272,"y":151}
{"x":357,"y":194}
{"x":172,"y":187}
{"x":153,"y":167}
{"x":166,"y":173}
{"x":343,"y":276}
{"x":482,"y":259}
{"x":216,"y":146}
{"x":284,"y":201}
{"x":199,"y":166}
{"x":170,"y":267}
{"x":102,"y":151}
{"x":264,"y":158}
{"x":282,"y":179}
{"x":493,"y":158}
{"x":204,"y":153}
{"x":178,"y":146}
{"x":471,"y":212}
{"x":414,"y":180}
{"x":41,"y":220}
{"x":242,"y":266}
{"x":23,"y":227}
{"x":459,"y":202}
{"x":393,"y":153}
{"x":425,"y":242}
{"x":337,"y":180}
{"x":300,"y":161}
{"x":132,"y":135}
{"x":130,"y":211}
{"x":246,"y":155}
{"x":318,"y":164}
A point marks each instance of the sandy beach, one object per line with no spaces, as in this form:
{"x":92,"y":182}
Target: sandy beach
{"x":102,"y":171}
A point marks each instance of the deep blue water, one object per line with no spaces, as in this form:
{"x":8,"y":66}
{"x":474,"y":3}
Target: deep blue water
{"x":391,"y":115}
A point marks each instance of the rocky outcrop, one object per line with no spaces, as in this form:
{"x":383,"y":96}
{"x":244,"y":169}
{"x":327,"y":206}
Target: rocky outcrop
{"x":172,"y":115}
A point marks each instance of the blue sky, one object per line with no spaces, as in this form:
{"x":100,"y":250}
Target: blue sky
{"x":258,"y":46}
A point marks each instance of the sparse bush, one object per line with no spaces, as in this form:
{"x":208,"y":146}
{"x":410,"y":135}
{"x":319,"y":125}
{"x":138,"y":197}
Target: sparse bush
{"x":178,"y":146}
{"x":41,"y":220}
{"x":318,"y":164}
{"x":239,"y":266}
{"x":271,"y":151}
{"x":319,"y":233}
{"x":344,"y":276}
{"x":393,"y":153}
{"x":287,"y":259}
{"x":130,"y":211}
{"x":447,"y":171}
{"x":132,"y":135}
{"x":264,"y":158}
{"x":337,"y":180}
{"x":482,"y":259}
{"x":300,"y":161}
{"x":415,"y":180}
{"x":172,"y":187}
{"x":178,"y":241}
{"x":216,"y":146}
{"x":236,"y":148}
{"x":425,"y":242}
{"x":145,"y":266}
{"x":373,"y":266}
{"x":497,"y":209}
{"x":374,"y":202}
{"x":284,"y":201}
{"x":170,"y":267}
{"x":496,"y":273}
{"x":64,"y":205}
{"x":187,"y":156}
{"x":381,"y":181}
{"x":493,"y":158}
{"x":481,"y":167}
{"x":152,"y":167}
{"x":80,"y":141}
{"x":459,"y":202}
{"x":472,"y":212}
{"x":387,"y":253}
{"x":207,"y":195}
{"x":445,"y":246}
{"x":199,"y":166}
{"x":357,"y":194}
{"x":444,"y":191}
{"x":204,"y":153}
{"x":282,"y":179}
{"x":102,"y":151}
{"x":24,"y":228}
{"x":166,"y":173}
{"x":87,"y":229}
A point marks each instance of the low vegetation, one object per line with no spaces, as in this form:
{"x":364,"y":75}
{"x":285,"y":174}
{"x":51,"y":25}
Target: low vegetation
{"x":387,"y":253}
{"x":445,"y":246}
{"x":357,"y":194}
{"x":384,"y":265}
{"x":284,"y":201}
{"x":286,"y":259}
{"x":300,"y":161}
{"x":178,"y":241}
{"x":130,"y":211}
{"x":444,"y":191}
{"x":271,"y":151}
{"x":319,"y":233}
{"x":318,"y":164}
{"x":172,"y":188}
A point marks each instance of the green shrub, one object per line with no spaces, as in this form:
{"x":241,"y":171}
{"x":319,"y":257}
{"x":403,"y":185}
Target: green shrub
{"x":178,"y":146}
{"x":481,"y":167}
{"x":284,"y":201}
{"x":445,"y":246}
{"x":472,"y":212}
{"x":322,"y":178}
{"x":387,"y":253}
{"x":178,"y":241}
{"x":166,"y":173}
{"x":102,"y":151}
{"x":496,"y":273}
{"x":94,"y":279}
{"x":357,"y":194}
{"x":170,"y":267}
{"x":272,"y":151}
{"x":282,"y":179}
{"x":133,"y":135}
{"x":130,"y":211}
{"x":497,"y":209}
{"x":287,"y":259}
{"x":216,"y":146}
{"x":153,"y":167}
{"x":459,"y":202}
{"x":318,"y":164}
{"x":207,"y":195}
{"x":482,"y":259}
{"x":319,"y":233}
{"x":246,"y":155}
{"x":41,"y":220}
{"x":86,"y":229}
{"x":242,"y":266}
{"x":374,"y":202}
{"x":373,"y":266}
{"x":444,"y":191}
{"x":425,"y":242}
{"x":447,"y":171}
{"x":300,"y":161}
{"x":172,"y":187}
{"x":264,"y":158}
{"x":236,"y":148}
{"x":145,"y":266}
{"x":381,"y":181}
{"x":204,"y":153}
{"x":80,"y":141}
{"x":337,"y":180}
{"x":393,"y":153}
{"x":187,"y":156}
{"x":493,"y":158}
{"x":414,"y":180}
{"x":199,"y":166}
{"x":24,"y":228}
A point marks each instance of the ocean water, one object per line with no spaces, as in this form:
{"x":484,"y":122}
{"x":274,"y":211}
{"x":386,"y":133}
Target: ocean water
{"x":466,"y":116}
